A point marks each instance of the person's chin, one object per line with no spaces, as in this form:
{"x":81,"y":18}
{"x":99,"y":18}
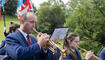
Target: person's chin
{"x":30,"y":32}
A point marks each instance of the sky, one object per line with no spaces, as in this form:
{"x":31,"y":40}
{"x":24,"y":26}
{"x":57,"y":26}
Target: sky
{"x":38,"y":2}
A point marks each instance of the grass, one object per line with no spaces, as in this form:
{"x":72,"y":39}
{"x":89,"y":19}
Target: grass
{"x":8,"y":19}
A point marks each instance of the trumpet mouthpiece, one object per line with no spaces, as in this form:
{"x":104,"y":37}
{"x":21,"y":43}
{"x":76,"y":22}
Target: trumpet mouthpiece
{"x":79,"y":47}
{"x":35,"y":30}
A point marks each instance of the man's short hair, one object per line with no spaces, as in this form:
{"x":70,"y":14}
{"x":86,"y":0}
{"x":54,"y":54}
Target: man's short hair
{"x":25,"y":15}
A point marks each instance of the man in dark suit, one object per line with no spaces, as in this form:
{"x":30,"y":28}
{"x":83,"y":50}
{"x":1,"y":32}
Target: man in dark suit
{"x":22,"y":46}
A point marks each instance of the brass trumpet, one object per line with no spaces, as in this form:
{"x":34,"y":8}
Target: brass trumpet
{"x":86,"y":51}
{"x":63,"y":51}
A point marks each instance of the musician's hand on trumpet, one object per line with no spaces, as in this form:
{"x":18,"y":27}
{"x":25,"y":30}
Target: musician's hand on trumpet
{"x":89,"y":55}
{"x":43,"y":40}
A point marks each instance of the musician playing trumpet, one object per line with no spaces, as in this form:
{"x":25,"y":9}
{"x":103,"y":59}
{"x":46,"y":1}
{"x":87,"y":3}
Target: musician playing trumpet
{"x":71,"y":42}
{"x":53,"y":52}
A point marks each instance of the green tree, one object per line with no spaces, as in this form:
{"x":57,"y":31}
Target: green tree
{"x":10,"y":7}
{"x":88,"y":21}
{"x":99,"y":5}
{"x":50,"y":17}
{"x":34,"y":8}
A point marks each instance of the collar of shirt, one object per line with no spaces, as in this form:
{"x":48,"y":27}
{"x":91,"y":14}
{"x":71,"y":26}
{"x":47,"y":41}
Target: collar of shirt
{"x":73,"y":50}
{"x":24,"y":34}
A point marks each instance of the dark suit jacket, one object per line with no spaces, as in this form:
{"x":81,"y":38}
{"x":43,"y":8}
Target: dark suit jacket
{"x":102,"y":54}
{"x":70,"y":58}
{"x":18,"y":49}
{"x":53,"y":56}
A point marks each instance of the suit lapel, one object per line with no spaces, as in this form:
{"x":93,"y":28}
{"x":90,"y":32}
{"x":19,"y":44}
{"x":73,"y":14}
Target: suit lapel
{"x":21,"y":38}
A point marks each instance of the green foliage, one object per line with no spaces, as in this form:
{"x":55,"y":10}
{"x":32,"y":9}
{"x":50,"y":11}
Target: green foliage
{"x":88,"y":22}
{"x":91,"y":46}
{"x":34,"y":8}
{"x":10,"y":7}
{"x":99,"y":4}
{"x":49,"y":17}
